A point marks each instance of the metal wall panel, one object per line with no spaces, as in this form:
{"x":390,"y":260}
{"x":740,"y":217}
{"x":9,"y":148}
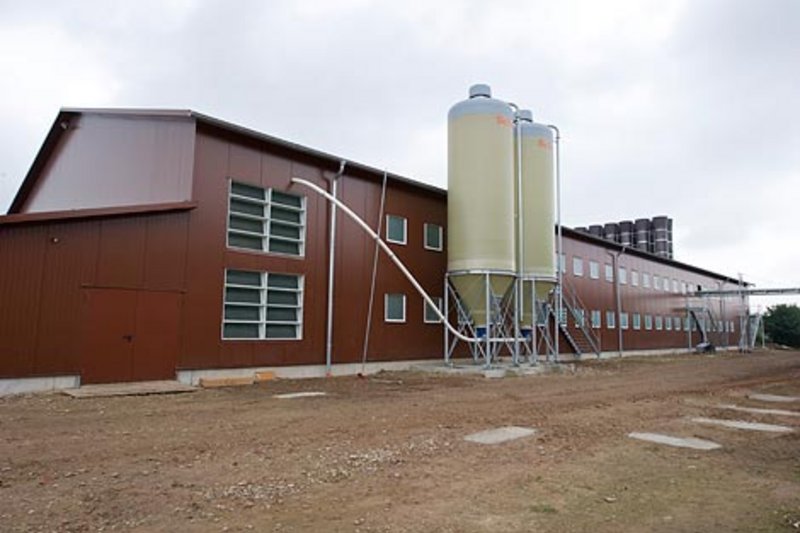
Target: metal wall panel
{"x":107,"y":161}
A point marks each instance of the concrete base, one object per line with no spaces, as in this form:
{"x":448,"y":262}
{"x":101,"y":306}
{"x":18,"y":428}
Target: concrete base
{"x":742,"y":424}
{"x":497,"y":370}
{"x":680,"y":442}
{"x":758,"y":411}
{"x":43,"y":384}
{"x":139,"y":388}
{"x":294,"y":395}
{"x":499,"y":435}
{"x":773,"y":398}
{"x":193,"y":377}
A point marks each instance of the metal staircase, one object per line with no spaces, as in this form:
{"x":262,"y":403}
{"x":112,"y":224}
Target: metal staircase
{"x":582,"y":339}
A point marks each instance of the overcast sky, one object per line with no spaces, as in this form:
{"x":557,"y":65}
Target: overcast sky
{"x":684,"y":108}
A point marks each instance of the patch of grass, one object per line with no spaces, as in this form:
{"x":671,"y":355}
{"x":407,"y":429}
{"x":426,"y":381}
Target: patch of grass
{"x":543,"y":508}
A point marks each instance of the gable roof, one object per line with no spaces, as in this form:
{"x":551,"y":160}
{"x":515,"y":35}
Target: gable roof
{"x":66,"y":115}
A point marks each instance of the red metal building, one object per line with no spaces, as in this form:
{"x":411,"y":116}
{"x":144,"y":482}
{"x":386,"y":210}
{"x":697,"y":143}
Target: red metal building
{"x":154,"y":244}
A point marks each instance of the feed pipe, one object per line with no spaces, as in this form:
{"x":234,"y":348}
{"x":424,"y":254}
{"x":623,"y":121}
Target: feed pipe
{"x":396,"y":260}
{"x":559,"y":243}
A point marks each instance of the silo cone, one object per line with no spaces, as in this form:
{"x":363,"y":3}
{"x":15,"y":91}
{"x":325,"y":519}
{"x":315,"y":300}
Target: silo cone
{"x":538,"y":211}
{"x":480,"y":200}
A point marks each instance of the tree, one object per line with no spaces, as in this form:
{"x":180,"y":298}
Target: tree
{"x":782,"y":324}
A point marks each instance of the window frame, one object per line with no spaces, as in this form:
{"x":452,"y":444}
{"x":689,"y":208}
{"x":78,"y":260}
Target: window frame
{"x":596,"y":324}
{"x":264,"y":305}
{"x":440,"y":302}
{"x":386,"y":308}
{"x":634,"y":278}
{"x":648,"y":322}
{"x":622,"y":273}
{"x":611,"y":320}
{"x":425,"y":237}
{"x":577,"y":266}
{"x":266,"y":219}
{"x":609,"y":273}
{"x":389,"y":217}
{"x":623,"y":320}
{"x":637,"y":321}
{"x":594,"y":270}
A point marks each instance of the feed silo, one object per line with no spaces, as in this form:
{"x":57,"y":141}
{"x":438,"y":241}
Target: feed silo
{"x":537,"y":254}
{"x":480,"y":198}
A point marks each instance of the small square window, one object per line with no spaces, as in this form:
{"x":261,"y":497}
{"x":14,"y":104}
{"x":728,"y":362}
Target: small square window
{"x":623,"y":320}
{"x":659,"y":323}
{"x":577,"y":266}
{"x":634,"y":278}
{"x":395,"y":308}
{"x":674,"y":285}
{"x":594,"y":270}
{"x":676,"y":323}
{"x":668,"y":323}
{"x":623,"y":276}
{"x":609,"y":272}
{"x":648,"y":322}
{"x":645,"y":280}
{"x":656,"y":282}
{"x":610,"y":320}
{"x":430,"y":316}
{"x":433,"y":237}
{"x":396,"y":229}
{"x":637,"y":321}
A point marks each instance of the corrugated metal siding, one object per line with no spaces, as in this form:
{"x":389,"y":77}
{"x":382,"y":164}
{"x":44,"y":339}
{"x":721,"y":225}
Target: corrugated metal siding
{"x":45,"y":268}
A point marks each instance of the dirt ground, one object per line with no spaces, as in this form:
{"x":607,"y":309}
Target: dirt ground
{"x":386,"y":453}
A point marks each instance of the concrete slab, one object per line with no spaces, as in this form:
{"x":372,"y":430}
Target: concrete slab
{"x":293,"y":395}
{"x":742,"y":424}
{"x":774,"y":398}
{"x":499,"y":435}
{"x":757,"y":410}
{"x":680,"y":442}
{"x":138,"y":388}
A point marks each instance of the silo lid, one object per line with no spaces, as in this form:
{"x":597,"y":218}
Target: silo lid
{"x":480,"y":89}
{"x":525,"y":114}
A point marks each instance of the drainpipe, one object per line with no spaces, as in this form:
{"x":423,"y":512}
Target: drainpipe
{"x":331,"y":272}
{"x":617,"y":296}
{"x":518,"y":302}
{"x":559,"y":247}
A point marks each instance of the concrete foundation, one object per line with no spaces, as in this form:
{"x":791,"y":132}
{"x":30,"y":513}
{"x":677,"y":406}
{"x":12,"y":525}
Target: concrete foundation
{"x":500,"y":435}
{"x":680,"y":442}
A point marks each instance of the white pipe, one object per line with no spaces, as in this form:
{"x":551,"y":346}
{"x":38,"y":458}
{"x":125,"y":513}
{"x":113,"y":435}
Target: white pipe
{"x":331,"y":272}
{"x":559,"y":287}
{"x":410,"y":277}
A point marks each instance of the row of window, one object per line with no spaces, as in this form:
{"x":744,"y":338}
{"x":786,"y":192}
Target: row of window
{"x":657,"y":322}
{"x":264,"y":305}
{"x":272,"y":221}
{"x":658,"y":283}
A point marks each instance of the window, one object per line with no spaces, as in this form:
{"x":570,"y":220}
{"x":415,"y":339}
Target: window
{"x":562,"y":263}
{"x":668,"y":323}
{"x":637,"y":321}
{"x":623,"y":320}
{"x":634,"y":278}
{"x":623,"y":276}
{"x":656,"y":282}
{"x":648,"y":322}
{"x":429,"y":315}
{"x":262,"y":305}
{"x":394,"y":308}
{"x":266,"y":220}
{"x":577,"y":266}
{"x":645,"y":280}
{"x":610,"y":320}
{"x":580,"y":318}
{"x":396,"y":229}
{"x":659,"y":323}
{"x":676,"y":323}
{"x":596,"y":319}
{"x":674,"y":285}
{"x":594,"y":270}
{"x":609,"y":272}
{"x":433,"y":237}
{"x":683,"y":287}
{"x":563,"y":316}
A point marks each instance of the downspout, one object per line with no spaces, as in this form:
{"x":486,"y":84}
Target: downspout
{"x":331,"y":272}
{"x":518,"y":302}
{"x":559,"y":247}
